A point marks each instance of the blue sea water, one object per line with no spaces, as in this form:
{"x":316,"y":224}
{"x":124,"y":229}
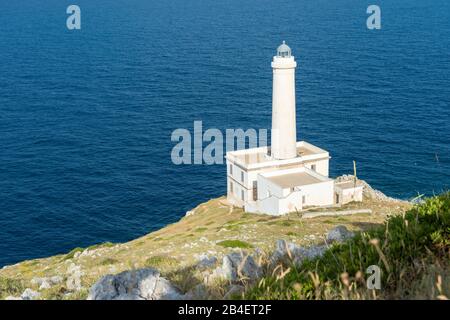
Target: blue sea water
{"x":86,"y":116}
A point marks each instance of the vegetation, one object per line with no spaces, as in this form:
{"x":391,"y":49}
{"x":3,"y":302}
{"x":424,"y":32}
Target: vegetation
{"x":235,"y":244}
{"x":160,"y":261}
{"x":72,"y":253}
{"x":10,"y":287}
{"x":108,"y":261}
{"x":174,"y":249}
{"x":412,"y":251}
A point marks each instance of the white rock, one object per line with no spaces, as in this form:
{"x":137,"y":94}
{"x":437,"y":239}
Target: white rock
{"x":237,"y":265}
{"x":288,"y":251}
{"x":46,"y":282}
{"x":141,"y":284}
{"x":30,"y":294}
{"x":204,"y":261}
{"x":339,"y":234}
{"x":73,"y":282}
{"x":45,"y":285}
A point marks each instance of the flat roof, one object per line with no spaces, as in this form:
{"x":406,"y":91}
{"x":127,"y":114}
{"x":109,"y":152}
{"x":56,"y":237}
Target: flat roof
{"x":296,"y":177}
{"x":348,"y":185}
{"x":257,"y":157}
{"x":291,"y":180}
{"x":261,"y":155}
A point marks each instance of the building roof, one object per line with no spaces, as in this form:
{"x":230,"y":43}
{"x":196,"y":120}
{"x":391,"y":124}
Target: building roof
{"x":290,"y":178}
{"x":348,"y":185}
{"x":294,"y":180}
{"x":283,"y":50}
{"x":259,"y":158}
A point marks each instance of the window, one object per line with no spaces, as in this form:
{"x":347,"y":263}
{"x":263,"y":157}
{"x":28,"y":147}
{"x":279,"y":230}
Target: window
{"x":242,"y":176}
{"x":255,"y":190}
{"x":303,"y":199}
{"x":231,"y":169}
{"x":292,"y":190}
{"x":231,"y":187}
{"x":242,"y":195}
{"x":337,"y":198}
{"x":313,"y":167}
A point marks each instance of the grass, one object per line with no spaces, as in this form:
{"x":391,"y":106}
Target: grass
{"x":10,"y":287}
{"x":235,"y":244}
{"x":282,"y":223}
{"x":101,"y":245}
{"x":72,"y":253}
{"x":412,"y":251}
{"x":108,"y":261}
{"x":160,"y":261}
{"x":174,"y":248}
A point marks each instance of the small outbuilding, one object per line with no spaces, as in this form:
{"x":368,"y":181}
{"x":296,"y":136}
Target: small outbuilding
{"x":347,"y":191}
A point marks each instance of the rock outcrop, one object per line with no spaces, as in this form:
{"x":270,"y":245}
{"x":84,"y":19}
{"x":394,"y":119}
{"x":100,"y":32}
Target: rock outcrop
{"x":339,"y":234}
{"x":237,"y":266}
{"x":141,"y":284}
{"x":286,"y":252}
{"x":46,"y":282}
{"x":73,"y":282}
{"x":30,"y":294}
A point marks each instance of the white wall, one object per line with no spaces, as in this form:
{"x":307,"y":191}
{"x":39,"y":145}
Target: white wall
{"x":319,"y":194}
{"x":350,"y":194}
{"x":321,"y":166}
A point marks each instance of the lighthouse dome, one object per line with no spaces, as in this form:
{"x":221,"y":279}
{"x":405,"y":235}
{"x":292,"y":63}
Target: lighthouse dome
{"x":283,"y":50}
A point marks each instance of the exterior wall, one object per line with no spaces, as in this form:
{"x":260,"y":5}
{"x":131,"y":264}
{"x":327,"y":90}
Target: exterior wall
{"x":319,"y":194}
{"x":349,"y":194}
{"x":322,"y":166}
{"x":269,"y":195}
{"x":234,"y":177}
{"x":283,"y":201}
{"x":284,"y":137}
{"x":275,"y":200}
{"x":292,"y":202}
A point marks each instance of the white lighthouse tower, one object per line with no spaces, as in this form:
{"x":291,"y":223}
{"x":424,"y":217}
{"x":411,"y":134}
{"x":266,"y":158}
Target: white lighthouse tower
{"x":295,"y":175}
{"x":284,"y":134}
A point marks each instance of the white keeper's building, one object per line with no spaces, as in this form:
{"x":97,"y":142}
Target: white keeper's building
{"x":289,"y":175}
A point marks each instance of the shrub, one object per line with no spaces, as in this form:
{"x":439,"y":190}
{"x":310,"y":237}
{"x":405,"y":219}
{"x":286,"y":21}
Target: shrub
{"x":419,"y":237}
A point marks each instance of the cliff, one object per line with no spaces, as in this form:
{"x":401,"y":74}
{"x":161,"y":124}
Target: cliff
{"x":183,"y":252}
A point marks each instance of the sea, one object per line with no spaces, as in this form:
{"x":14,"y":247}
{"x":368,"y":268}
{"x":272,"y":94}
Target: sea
{"x":87,"y":115}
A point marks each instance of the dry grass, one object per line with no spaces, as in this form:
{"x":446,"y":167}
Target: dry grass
{"x":211,"y":223}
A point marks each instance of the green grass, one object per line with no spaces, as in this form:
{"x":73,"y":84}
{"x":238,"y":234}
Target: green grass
{"x":108,"y":261}
{"x":101,"y":245}
{"x":406,"y":248}
{"x":71,"y":254}
{"x":159,"y":261}
{"x":282,"y":223}
{"x":235,"y":244}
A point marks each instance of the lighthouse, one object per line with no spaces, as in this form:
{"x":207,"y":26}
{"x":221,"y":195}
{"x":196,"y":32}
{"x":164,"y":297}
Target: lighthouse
{"x":284,"y":133}
{"x":291,"y":175}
